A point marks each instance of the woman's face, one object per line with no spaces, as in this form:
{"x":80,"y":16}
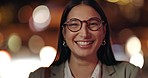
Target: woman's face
{"x":85,"y":42}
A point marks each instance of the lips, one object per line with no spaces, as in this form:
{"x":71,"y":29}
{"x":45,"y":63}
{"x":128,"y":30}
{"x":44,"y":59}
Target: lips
{"x":84,"y":43}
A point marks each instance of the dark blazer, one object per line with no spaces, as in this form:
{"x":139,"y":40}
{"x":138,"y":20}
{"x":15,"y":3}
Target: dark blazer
{"x":122,"y":70}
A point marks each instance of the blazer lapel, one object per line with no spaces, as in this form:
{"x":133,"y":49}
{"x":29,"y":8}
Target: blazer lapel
{"x":57,"y":71}
{"x":108,"y":71}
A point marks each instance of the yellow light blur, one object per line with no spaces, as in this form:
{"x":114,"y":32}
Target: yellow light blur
{"x":138,"y":3}
{"x":6,"y":14}
{"x":14,"y":43}
{"x":113,"y":1}
{"x":47,"y":55}
{"x":133,"y":45}
{"x":137,"y":60}
{"x":36,"y":43}
{"x":123,"y":2}
{"x":41,"y":17}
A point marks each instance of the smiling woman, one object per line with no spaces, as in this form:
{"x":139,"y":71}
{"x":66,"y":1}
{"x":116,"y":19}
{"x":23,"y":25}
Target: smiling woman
{"x":84,"y":46}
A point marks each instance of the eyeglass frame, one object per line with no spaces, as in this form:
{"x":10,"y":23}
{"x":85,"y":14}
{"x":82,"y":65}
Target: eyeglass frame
{"x":87,"y":22}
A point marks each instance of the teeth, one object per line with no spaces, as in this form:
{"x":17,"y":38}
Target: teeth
{"x":84,"y":43}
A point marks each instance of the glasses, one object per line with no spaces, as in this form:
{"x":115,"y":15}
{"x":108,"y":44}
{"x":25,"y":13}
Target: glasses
{"x":75,"y":24}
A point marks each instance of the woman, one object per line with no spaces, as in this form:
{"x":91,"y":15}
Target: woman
{"x":84,"y":49}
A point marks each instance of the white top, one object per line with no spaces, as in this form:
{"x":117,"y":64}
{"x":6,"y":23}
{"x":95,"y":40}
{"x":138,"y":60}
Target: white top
{"x":96,"y":73}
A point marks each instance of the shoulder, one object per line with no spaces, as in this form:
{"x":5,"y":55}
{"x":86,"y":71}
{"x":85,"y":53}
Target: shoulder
{"x":51,"y":70}
{"x":126,"y":66}
{"x":39,"y":73}
{"x":122,"y":70}
{"x":127,"y":69}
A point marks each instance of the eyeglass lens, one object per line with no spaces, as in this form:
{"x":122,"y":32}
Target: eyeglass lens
{"x":75,"y":24}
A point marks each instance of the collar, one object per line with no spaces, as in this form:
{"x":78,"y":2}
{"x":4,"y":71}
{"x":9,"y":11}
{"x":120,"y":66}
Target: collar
{"x":58,"y":71}
{"x":96,"y":73}
{"x":67,"y":71}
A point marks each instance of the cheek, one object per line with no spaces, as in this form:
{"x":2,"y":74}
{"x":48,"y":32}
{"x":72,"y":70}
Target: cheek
{"x":99,"y":37}
{"x":100,"y":34}
{"x":66,"y":33}
{"x":69,"y":36}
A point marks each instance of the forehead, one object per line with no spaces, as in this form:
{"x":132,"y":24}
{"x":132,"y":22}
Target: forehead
{"x":82,"y":12}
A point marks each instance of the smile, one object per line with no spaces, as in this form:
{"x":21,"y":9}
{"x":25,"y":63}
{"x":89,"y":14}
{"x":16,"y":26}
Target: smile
{"x":84,"y":43}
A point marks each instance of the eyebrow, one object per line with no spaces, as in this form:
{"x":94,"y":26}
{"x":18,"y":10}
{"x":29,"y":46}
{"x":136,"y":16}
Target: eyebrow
{"x":87,"y":19}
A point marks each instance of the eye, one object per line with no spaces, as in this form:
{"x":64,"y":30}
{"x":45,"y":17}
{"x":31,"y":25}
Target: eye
{"x":74,"y":23}
{"x":94,"y":23}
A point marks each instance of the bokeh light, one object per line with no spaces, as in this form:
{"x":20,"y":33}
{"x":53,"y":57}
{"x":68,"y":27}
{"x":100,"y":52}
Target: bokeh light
{"x":4,"y":57}
{"x":133,"y":45}
{"x":123,"y":2}
{"x":130,"y":8}
{"x":138,"y":3}
{"x":113,"y":1}
{"x":14,"y":43}
{"x":40,"y":18}
{"x":25,"y":13}
{"x":5,"y":60}
{"x":47,"y":55}
{"x":24,"y":52}
{"x":20,"y":68}
{"x":41,"y":14}
{"x":6,"y":14}
{"x":36,"y":43}
{"x":124,"y":35}
{"x":130,"y":12}
{"x":133,"y":49}
{"x":137,"y":60}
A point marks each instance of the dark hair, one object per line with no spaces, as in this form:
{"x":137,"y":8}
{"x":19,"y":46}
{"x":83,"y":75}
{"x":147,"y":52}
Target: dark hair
{"x":105,"y":54}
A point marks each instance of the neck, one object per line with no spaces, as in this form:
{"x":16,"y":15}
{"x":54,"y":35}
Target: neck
{"x":90,"y":59}
{"x":80,"y":65}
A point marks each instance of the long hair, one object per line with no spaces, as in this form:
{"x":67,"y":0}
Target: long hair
{"x":104,"y":53}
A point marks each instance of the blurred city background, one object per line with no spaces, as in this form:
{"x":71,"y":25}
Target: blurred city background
{"x":29,"y":33}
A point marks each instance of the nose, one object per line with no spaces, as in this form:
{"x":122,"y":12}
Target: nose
{"x":84,"y":32}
